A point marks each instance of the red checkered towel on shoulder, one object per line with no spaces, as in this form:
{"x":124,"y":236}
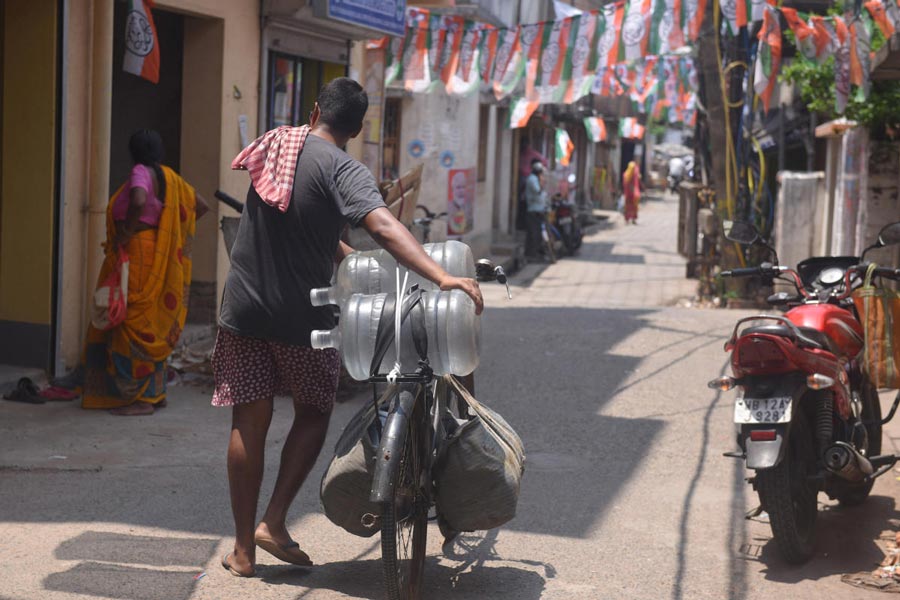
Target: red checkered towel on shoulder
{"x":271,"y":160}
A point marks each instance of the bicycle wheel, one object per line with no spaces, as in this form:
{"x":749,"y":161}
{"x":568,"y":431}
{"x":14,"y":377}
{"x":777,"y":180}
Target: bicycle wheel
{"x":404,"y":520}
{"x":548,"y":243}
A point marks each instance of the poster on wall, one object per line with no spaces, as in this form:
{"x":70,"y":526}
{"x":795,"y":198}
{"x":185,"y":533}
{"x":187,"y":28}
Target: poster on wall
{"x":460,"y":201}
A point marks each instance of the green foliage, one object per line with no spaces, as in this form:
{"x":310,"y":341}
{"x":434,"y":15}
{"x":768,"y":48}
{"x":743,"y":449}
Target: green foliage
{"x":879,"y":112}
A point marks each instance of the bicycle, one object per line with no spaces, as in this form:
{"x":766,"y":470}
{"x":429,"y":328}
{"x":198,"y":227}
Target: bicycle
{"x":420,"y":419}
{"x":549,"y":235}
{"x":425,"y":222}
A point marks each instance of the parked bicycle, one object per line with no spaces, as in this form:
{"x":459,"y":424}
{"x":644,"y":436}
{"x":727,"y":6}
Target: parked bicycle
{"x":425,"y":222}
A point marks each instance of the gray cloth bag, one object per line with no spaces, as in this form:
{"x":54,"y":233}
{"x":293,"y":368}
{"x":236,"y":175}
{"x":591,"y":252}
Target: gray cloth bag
{"x":479,"y":473}
{"x":347,"y":483}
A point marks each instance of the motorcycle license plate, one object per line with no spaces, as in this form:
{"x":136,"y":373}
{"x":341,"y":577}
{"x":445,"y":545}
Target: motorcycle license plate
{"x":762,"y":410}
{"x":565,"y":220}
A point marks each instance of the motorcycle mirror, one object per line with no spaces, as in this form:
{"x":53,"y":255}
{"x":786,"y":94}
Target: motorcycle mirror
{"x":484,"y":270}
{"x":740,"y":232}
{"x":888,"y":236}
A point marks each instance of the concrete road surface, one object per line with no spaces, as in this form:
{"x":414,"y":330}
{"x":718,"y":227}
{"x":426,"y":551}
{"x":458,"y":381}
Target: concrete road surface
{"x":626,"y":493}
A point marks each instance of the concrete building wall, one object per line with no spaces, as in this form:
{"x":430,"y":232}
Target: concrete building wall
{"x":448,"y":127}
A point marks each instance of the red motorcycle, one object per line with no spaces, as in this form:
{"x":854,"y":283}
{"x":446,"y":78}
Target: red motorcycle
{"x":808,"y":419}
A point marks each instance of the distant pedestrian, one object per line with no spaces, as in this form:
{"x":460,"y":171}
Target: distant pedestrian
{"x":535,"y":209}
{"x":631,"y":189}
{"x":288,"y":242}
{"x":152,"y":217}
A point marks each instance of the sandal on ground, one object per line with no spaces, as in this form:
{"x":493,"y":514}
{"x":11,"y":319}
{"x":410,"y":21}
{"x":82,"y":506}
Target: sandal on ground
{"x":25,"y":392}
{"x":227,"y":566}
{"x":289,"y":553}
{"x":57,"y":393}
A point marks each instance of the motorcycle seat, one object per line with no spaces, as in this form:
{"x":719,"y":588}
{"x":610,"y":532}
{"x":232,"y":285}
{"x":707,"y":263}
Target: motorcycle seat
{"x":809,"y":337}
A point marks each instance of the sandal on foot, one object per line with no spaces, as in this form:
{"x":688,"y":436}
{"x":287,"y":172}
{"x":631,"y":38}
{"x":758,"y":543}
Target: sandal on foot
{"x":289,"y":553}
{"x":227,"y":566}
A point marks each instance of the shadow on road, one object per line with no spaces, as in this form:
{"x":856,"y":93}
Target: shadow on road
{"x":474,"y":571}
{"x":845,"y":542}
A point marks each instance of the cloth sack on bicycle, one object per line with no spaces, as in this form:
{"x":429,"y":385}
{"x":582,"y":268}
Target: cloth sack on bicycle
{"x":479,"y":474}
{"x":879,"y":310}
{"x":347,"y":483}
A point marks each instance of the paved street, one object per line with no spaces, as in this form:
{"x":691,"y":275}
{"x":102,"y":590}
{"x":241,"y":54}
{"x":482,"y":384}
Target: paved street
{"x":626,"y":493}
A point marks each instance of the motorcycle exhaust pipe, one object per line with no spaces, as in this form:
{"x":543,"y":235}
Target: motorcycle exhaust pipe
{"x":843,"y":460}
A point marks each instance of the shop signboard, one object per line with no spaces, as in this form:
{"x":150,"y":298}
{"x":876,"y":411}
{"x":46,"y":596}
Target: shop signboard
{"x":385,"y":16}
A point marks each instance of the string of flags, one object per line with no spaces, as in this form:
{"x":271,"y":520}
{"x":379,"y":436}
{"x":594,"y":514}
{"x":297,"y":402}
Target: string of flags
{"x":623,"y":49}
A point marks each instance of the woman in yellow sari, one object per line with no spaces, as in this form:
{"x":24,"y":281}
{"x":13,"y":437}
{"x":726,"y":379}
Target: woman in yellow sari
{"x":631,"y":187}
{"x":153,"y":217}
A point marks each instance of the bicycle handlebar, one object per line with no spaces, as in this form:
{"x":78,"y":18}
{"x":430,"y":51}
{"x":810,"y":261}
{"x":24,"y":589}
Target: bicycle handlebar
{"x":229,"y":200}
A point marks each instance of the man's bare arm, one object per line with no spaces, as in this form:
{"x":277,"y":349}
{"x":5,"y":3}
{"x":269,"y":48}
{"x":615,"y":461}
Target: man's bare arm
{"x":391,"y":235}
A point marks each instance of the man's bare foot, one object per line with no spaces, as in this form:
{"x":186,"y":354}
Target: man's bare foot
{"x":278,"y":534}
{"x":135,"y":409}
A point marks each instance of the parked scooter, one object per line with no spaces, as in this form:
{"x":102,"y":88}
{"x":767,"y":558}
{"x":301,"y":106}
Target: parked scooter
{"x":564,"y":218}
{"x":808,"y":418}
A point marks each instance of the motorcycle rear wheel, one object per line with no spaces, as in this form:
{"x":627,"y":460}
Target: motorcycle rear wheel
{"x":787,"y":494}
{"x":854,"y":495}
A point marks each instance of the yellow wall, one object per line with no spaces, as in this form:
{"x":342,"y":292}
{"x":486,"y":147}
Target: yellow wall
{"x":28,"y":138}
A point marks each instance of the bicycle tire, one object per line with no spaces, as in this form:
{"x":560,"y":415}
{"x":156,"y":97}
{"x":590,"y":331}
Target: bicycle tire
{"x":404,"y":519}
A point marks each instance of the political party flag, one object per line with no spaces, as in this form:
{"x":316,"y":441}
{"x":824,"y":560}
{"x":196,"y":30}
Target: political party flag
{"x":635,"y":30}
{"x":824,"y":37}
{"x":464,"y":78}
{"x":520,"y":111}
{"x":596,"y":129}
{"x":393,"y":60}
{"x":564,"y":147}
{"x":555,"y":65}
{"x":803,"y":33}
{"x":841,"y":65}
{"x":630,"y":129}
{"x":509,"y":63}
{"x":606,"y":84}
{"x":886,"y":15}
{"x":583,"y":61}
{"x":533,"y":39}
{"x":768,"y":57}
{"x":141,"y":41}
{"x":415,"y":68}
{"x":488,"y":52}
{"x":454,"y":28}
{"x":860,"y":54}
{"x":609,"y":22}
{"x":693,"y":12}
{"x":735,"y":14}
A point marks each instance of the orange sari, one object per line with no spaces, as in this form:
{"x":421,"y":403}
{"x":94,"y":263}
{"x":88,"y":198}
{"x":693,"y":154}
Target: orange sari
{"x":127,"y":364}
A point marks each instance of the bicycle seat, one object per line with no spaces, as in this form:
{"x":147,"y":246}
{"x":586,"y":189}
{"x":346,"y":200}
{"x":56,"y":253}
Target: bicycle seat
{"x":809,"y":337}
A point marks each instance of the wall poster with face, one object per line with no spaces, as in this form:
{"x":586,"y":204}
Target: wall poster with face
{"x":460,"y":201}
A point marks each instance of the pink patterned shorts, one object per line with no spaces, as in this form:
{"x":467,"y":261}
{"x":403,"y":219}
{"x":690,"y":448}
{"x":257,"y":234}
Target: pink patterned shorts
{"x":247,"y":369}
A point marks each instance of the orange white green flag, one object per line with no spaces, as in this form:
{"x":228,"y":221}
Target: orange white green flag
{"x":554,"y":68}
{"x":508,"y":64}
{"x":630,"y":129}
{"x":564,"y":147}
{"x":860,"y":54}
{"x":449,"y":55}
{"x":464,"y":78}
{"x":531,"y":43}
{"x":635,"y":33}
{"x":768,"y":57}
{"x":886,"y":15}
{"x":609,"y":23}
{"x":583,"y":61}
{"x":596,"y":129}
{"x":141,"y":41}
{"x":693,"y":12}
{"x":520,"y":111}
{"x":841,"y":65}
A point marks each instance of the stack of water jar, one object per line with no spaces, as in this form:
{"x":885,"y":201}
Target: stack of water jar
{"x":362,"y":283}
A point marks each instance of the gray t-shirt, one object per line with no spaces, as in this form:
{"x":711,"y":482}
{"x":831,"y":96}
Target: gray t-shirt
{"x":278,"y":257}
